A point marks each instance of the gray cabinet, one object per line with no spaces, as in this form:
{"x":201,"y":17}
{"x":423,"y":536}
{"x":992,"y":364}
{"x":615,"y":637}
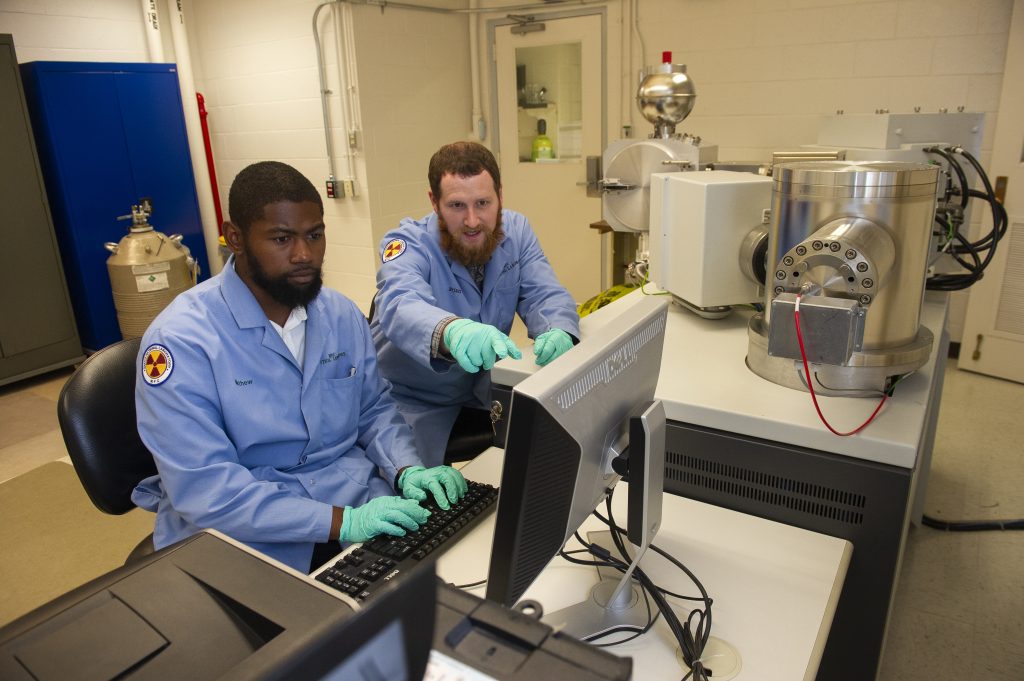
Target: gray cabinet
{"x":37,"y":326}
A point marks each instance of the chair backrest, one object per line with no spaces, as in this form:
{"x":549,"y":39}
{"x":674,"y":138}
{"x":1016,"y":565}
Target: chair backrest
{"x":96,"y":412}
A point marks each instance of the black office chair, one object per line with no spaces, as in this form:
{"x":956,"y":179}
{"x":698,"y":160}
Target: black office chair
{"x":471,"y":434}
{"x":96,"y":412}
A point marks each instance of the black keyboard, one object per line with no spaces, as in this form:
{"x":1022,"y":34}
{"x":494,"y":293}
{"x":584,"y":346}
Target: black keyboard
{"x":375,"y":562}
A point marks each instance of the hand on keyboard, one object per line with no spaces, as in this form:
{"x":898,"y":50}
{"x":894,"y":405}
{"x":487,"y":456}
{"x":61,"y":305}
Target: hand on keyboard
{"x":360,"y":572}
{"x":383,"y":515}
{"x":444,"y":482}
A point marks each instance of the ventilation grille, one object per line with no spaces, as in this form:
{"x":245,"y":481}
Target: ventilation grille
{"x":765,"y":488}
{"x":554,"y":459}
{"x":612,"y":366}
{"x":1010,"y":314}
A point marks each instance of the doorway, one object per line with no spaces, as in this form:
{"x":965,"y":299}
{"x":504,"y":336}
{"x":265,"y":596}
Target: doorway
{"x":549,"y":74}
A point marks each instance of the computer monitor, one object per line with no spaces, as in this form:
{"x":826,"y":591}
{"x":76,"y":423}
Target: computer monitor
{"x":211,"y":608}
{"x":567,"y":424}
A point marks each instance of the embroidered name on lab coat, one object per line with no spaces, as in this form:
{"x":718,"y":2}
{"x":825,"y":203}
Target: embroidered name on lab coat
{"x":332,"y":357}
{"x":509,"y":266}
{"x":245,"y":381}
{"x":452,"y":289}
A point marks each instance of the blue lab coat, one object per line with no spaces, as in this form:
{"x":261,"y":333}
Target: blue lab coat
{"x":249,"y":443}
{"x":423,"y":285}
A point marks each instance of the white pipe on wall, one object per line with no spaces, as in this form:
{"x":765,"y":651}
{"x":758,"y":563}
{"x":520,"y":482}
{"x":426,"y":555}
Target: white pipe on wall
{"x":355,"y":115}
{"x":345,"y":104}
{"x":479,"y":126}
{"x":194,"y":128}
{"x":154,"y":42}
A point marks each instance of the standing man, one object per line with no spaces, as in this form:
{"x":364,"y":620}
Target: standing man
{"x":449,"y":288}
{"x":260,"y":399}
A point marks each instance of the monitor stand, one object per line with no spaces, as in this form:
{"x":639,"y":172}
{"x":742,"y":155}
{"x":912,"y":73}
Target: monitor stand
{"x":719,"y":655}
{"x":612,"y":603}
{"x":617,"y":602}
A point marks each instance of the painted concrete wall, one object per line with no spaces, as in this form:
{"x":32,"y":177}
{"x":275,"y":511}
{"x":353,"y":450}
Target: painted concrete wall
{"x":766,"y":72}
{"x":255,"y":64}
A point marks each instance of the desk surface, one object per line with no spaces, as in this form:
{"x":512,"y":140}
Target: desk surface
{"x":775,"y":587}
{"x":705,"y":382}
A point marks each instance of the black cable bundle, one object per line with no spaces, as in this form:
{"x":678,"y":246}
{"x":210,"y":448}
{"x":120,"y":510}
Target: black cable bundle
{"x":950,"y":218}
{"x":693,"y":636}
{"x":972,"y":525}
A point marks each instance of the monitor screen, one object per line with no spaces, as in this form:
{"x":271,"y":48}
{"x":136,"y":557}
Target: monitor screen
{"x":566,"y":424}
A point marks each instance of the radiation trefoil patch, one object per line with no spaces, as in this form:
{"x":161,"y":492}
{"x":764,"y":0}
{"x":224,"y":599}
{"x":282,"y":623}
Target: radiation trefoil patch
{"x":157,"y":364}
{"x":392,"y":250}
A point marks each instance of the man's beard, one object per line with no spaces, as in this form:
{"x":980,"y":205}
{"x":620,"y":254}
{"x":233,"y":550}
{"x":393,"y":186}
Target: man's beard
{"x":281,"y":290}
{"x":470,"y":257}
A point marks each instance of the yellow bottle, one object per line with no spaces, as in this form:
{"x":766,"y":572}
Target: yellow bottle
{"x":542,"y":147}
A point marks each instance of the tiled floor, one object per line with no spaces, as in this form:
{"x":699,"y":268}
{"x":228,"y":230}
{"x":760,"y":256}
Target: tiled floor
{"x":29,"y":434}
{"x":959,"y":607}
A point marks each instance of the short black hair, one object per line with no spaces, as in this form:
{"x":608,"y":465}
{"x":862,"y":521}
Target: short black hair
{"x":463,"y":159}
{"x":264,"y":183}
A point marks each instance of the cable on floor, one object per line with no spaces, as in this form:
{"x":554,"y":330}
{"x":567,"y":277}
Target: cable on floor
{"x":971,"y":525}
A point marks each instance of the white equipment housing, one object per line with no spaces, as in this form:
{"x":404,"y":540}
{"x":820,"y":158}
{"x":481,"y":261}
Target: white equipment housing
{"x":899,"y":137}
{"x":698,"y":225}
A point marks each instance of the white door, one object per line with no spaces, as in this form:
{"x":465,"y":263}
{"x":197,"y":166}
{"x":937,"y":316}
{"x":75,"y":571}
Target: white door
{"x":993,"y":339}
{"x":560,"y":79}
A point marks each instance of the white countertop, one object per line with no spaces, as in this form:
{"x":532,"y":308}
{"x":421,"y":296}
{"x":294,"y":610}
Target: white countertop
{"x":705,"y":382}
{"x":775,"y":587}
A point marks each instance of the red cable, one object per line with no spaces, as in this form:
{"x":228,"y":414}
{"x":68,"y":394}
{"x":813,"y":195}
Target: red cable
{"x":810,"y":386}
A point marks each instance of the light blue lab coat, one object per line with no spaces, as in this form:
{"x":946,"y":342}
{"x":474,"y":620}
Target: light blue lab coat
{"x":423,"y":285}
{"x":248,"y":443}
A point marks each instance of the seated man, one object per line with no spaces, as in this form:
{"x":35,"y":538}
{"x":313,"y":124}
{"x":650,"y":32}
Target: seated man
{"x":260,"y":399}
{"x":448,"y":290}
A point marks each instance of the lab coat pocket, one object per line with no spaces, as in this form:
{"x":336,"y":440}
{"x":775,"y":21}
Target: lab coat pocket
{"x":504,"y":300}
{"x":340,"y":406}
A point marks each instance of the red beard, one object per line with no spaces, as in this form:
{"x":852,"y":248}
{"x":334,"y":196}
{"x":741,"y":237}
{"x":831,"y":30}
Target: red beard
{"x":470,"y":257}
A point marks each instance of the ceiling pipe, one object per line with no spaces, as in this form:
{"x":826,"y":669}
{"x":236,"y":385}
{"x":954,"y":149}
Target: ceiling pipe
{"x":545,"y":4}
{"x":194,"y":130}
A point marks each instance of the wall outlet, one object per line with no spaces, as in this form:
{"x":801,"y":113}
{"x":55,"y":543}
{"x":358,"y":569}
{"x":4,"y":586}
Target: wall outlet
{"x":348,"y":187}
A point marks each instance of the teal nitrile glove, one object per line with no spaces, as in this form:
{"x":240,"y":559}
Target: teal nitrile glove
{"x":444,"y":482}
{"x":550,"y":345}
{"x":474,"y":345}
{"x":383,"y":515}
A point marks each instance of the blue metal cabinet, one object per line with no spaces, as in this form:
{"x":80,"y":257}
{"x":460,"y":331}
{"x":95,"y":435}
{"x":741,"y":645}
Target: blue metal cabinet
{"x":109,"y":134}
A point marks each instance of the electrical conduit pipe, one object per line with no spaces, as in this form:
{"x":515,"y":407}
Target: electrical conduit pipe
{"x":154,"y":43}
{"x":193,"y":127}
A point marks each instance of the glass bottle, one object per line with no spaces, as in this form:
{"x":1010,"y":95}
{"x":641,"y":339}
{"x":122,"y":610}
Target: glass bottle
{"x":542,"y":147}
